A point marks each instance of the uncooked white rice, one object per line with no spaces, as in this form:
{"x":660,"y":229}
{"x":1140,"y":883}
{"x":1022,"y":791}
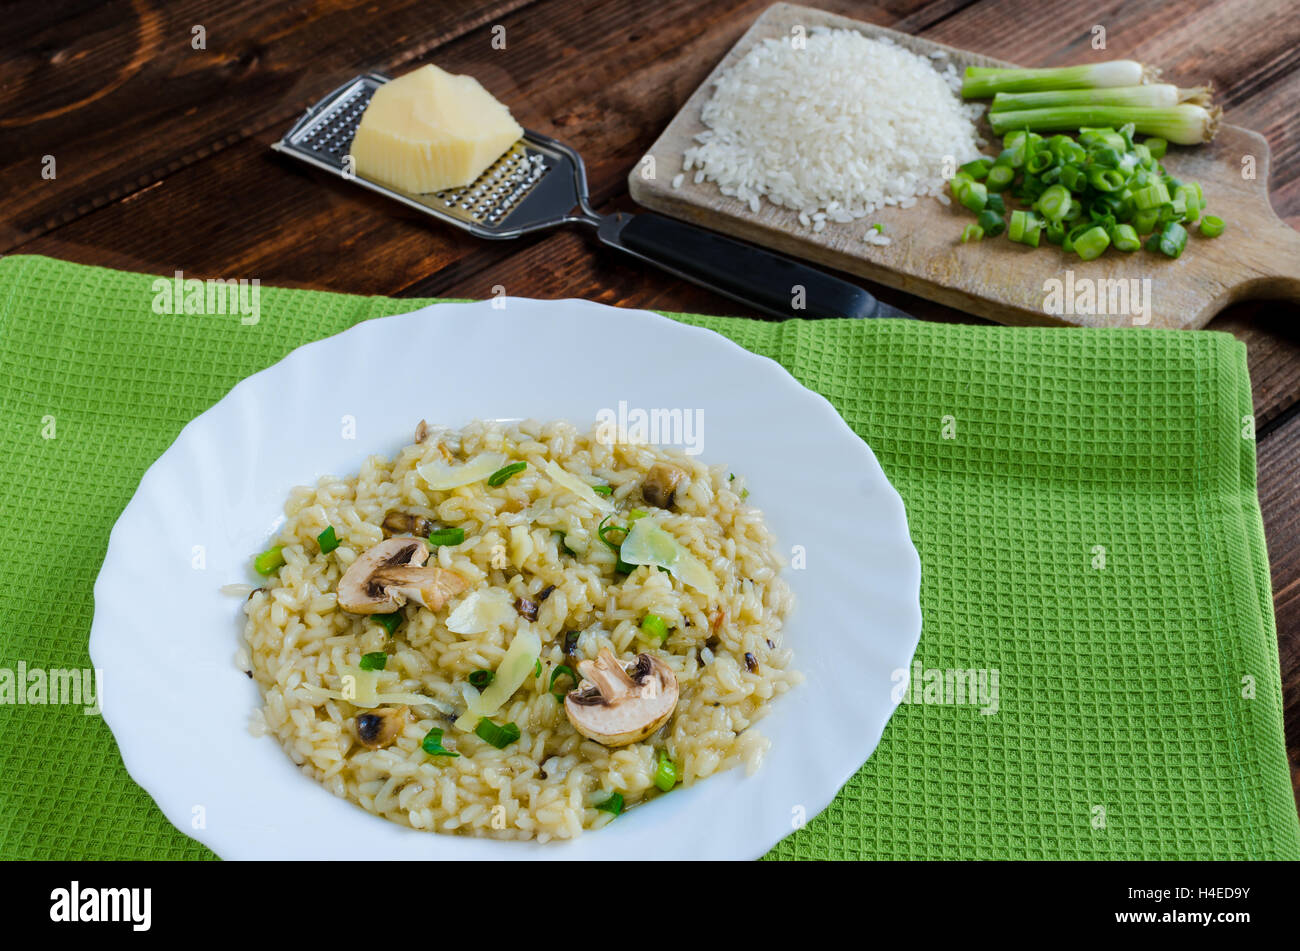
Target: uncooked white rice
{"x":298,"y":642}
{"x":844,"y":125}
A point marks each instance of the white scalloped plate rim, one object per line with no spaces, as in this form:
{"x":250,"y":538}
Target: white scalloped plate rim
{"x":178,"y":707}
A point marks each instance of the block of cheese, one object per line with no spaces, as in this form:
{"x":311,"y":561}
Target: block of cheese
{"x":430,"y":130}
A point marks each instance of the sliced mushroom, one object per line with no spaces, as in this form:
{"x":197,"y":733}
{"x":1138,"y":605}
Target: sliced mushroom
{"x":616,"y":707}
{"x":660,"y":485}
{"x":526,"y":609}
{"x":384,"y":577}
{"x":407,"y":523}
{"x":377,"y":729}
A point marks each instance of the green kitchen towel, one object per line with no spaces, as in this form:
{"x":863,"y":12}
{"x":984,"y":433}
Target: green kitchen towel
{"x":1083,"y":502}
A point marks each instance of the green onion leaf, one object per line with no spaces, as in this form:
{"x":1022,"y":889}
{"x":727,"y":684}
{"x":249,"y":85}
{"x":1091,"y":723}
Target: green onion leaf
{"x":479,"y":679}
{"x":327,"y":540}
{"x":269,"y":561}
{"x":432,"y":744}
{"x":1092,"y":243}
{"x":446,"y":536}
{"x":612,"y":804}
{"x":1212,"y":226}
{"x":564,"y":670}
{"x":1125,"y":238}
{"x":603,"y":489}
{"x":505,"y":472}
{"x":665,"y":772}
{"x":537,"y":669}
{"x":388,"y":622}
{"x":563,"y":547}
{"x":375,"y":661}
{"x":655,"y":626}
{"x":972,"y":232}
{"x":494,"y":735}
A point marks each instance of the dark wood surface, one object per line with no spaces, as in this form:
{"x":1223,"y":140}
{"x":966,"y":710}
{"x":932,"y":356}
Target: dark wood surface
{"x":163,"y":155}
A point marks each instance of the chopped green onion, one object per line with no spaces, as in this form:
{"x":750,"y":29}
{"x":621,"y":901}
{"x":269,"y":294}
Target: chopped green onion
{"x":1191,"y":202}
{"x":1186,"y":123}
{"x":1171,"y":240}
{"x":388,"y":622}
{"x":603,"y":489}
{"x":1092,"y":243}
{"x":1157,"y":147}
{"x":612,"y":804}
{"x":1054,"y":232}
{"x":1039,"y":162}
{"x":1054,"y":203}
{"x":665,"y":772}
{"x":621,"y":566}
{"x":327,"y":540}
{"x":537,"y":669}
{"x":1125,"y":238}
{"x":1144,"y":222}
{"x":432,"y":744}
{"x":1024,"y":228}
{"x":996,"y":204}
{"x":505,"y":472}
{"x":1105,"y":179}
{"x":991,"y":222}
{"x":879,"y":229}
{"x":494,"y":735}
{"x":999,"y":177}
{"x":980,"y":82}
{"x":479,"y":679}
{"x":1212,"y":226}
{"x":446,"y":536}
{"x":1153,"y":196}
{"x":655,"y":626}
{"x":564,"y":547}
{"x":974,"y":196}
{"x":564,"y":670}
{"x":977,"y":168}
{"x":269,"y":561}
{"x":374,"y":661}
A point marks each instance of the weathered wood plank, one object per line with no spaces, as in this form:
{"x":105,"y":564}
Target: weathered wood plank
{"x":1279,"y":488}
{"x":119,"y":96}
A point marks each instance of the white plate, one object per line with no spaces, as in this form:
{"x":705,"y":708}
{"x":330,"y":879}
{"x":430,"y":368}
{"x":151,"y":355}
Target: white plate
{"x":165,"y":637}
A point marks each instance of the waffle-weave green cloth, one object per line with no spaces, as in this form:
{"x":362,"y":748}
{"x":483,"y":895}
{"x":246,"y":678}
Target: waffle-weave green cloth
{"x":1083,"y":502}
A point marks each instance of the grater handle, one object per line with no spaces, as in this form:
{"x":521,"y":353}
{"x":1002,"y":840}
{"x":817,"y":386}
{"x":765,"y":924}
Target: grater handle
{"x":743,"y":272}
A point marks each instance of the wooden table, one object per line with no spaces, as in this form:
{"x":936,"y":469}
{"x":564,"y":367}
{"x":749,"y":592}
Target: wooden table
{"x":160,"y":116}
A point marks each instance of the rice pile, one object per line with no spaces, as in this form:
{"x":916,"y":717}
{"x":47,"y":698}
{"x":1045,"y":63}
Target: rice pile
{"x":835,"y":129}
{"x":546,"y":785}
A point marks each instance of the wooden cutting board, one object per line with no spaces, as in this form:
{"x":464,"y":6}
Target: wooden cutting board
{"x":1257,"y":256}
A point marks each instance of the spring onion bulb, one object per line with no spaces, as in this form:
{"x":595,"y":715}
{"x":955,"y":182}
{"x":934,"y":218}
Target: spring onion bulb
{"x":1153,"y":96}
{"x":980,"y":82}
{"x":1186,"y":124}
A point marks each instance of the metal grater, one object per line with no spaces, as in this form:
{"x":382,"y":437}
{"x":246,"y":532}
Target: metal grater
{"x":534,"y":185}
{"x":541,"y":183}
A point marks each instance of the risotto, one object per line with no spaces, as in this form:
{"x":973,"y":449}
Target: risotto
{"x":518,"y":631}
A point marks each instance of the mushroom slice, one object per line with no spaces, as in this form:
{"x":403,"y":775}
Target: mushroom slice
{"x":659,"y":487}
{"x":382,"y":579}
{"x":616,"y":707}
{"x":397,"y":522}
{"x":428,"y":587}
{"x":377,"y":729}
